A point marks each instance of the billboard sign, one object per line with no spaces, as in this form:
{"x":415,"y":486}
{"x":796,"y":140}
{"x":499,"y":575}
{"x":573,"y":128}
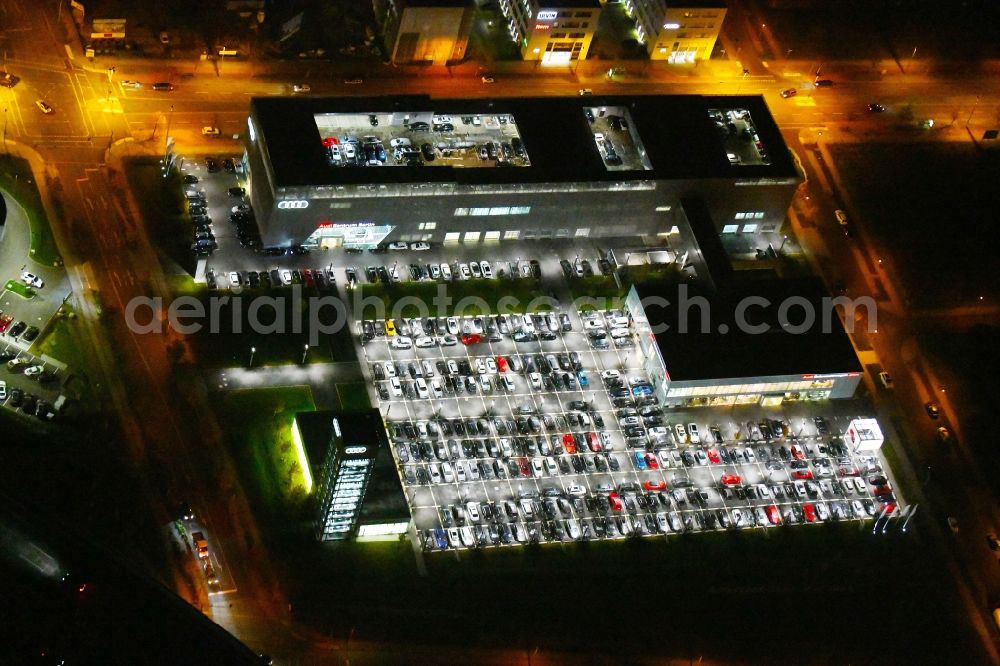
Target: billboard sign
{"x":113,"y":28}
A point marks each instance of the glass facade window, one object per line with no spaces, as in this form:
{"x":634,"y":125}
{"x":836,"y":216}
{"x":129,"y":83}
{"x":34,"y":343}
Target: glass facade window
{"x":452,"y":236}
{"x":471,"y":237}
{"x":511,"y":234}
{"x":492,"y":236}
{"x":459,"y":212}
{"x":730,"y":228}
{"x":500,"y":210}
{"x":749,"y":228}
{"x":582,"y":233}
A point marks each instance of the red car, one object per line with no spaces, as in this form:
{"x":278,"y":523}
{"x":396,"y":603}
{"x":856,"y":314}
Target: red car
{"x":307,"y":277}
{"x":882,"y":490}
{"x":773,"y":515}
{"x":501,"y":364}
{"x":5,"y":322}
{"x":731,"y":480}
{"x":522,"y":464}
{"x":654,"y":485}
{"x":713,"y":456}
{"x":594,"y":442}
{"x":890,"y":508}
{"x":616,"y":503}
{"x":651,"y":461}
{"x":809,"y":511}
{"x":471,"y":339}
{"x":797,"y":452}
{"x":568,"y":444}
{"x":802,"y":474}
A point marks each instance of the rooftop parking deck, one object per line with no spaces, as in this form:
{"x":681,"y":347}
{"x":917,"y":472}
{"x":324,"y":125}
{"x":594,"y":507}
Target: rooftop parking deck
{"x":421,"y":139}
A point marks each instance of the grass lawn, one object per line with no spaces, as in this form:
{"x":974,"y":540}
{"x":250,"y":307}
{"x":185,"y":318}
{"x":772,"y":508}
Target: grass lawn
{"x":62,"y":340}
{"x":353,"y":396}
{"x":724,"y":597}
{"x":20,"y":289}
{"x":278,"y":335}
{"x":17,"y":179}
{"x":161,"y":203}
{"x":258,"y":427}
{"x":467,"y":297}
{"x":910,"y":211}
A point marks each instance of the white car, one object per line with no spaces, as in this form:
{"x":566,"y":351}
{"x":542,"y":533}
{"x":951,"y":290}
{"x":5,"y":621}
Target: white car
{"x":398,"y":245}
{"x":32,"y":280}
{"x":445,"y":272}
{"x":420,"y":246}
{"x":550,"y":466}
{"x":447,"y":473}
{"x":486,"y":269}
{"x":422,"y":390}
{"x":396,"y":387}
{"x":390,"y":369}
{"x":491,"y":365}
{"x":131,"y":85}
{"x":536,"y":380}
{"x":693,"y":433}
{"x":464,"y":272}
{"x":3,"y":391}
{"x":210,"y":131}
{"x":460,"y":471}
{"x":472,"y":511}
{"x":447,"y":341}
{"x":610,"y":375}
{"x":477,"y":270}
{"x":234,"y":279}
{"x":301,"y":88}
{"x":658,"y":432}
{"x":536,"y":467}
{"x":401,"y":342}
{"x":286,"y":277}
{"x":436,"y":389}
{"x":435,"y":472}
{"x":425,"y":341}
{"x":841,"y":217}
{"x":680,"y":433}
{"x":34,"y":370}
{"x":576,"y":490}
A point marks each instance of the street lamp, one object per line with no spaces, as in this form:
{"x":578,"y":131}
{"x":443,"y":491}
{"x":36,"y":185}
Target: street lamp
{"x":253,"y":350}
{"x":967,"y":120}
{"x":304,"y":353}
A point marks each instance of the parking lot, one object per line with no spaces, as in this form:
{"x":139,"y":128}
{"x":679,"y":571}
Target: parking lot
{"x":552,"y":438}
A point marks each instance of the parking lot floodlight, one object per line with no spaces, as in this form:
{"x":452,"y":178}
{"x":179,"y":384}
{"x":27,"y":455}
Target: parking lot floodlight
{"x":253,"y":350}
{"x":305,"y":352}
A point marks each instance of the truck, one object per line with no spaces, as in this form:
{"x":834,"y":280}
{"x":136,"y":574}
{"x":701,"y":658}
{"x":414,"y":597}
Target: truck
{"x":200,"y":544}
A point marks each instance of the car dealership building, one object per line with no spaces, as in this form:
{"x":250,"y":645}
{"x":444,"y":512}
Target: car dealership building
{"x":360,"y":172}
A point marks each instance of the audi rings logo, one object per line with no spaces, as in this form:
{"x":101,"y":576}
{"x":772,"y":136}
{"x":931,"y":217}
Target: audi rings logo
{"x":355,"y":449}
{"x":293,"y":204}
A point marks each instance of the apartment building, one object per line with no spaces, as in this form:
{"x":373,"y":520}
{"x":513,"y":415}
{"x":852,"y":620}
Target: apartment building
{"x":680,"y":33}
{"x":556,"y":32}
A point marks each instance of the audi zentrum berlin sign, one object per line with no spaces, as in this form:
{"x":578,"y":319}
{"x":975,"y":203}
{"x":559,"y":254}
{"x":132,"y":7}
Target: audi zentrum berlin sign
{"x":293,"y":204}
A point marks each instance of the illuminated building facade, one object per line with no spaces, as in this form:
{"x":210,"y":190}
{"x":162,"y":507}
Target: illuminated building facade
{"x":357,"y":488}
{"x":555,"y":32}
{"x":680,"y":33}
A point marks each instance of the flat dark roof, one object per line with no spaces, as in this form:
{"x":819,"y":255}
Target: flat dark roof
{"x":737,"y":354}
{"x":681,"y":141}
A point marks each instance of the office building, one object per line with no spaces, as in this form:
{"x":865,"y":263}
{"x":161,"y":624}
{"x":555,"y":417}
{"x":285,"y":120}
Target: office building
{"x":432,"y":32}
{"x":555,"y":32}
{"x":359,"y":172}
{"x":680,"y":33}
